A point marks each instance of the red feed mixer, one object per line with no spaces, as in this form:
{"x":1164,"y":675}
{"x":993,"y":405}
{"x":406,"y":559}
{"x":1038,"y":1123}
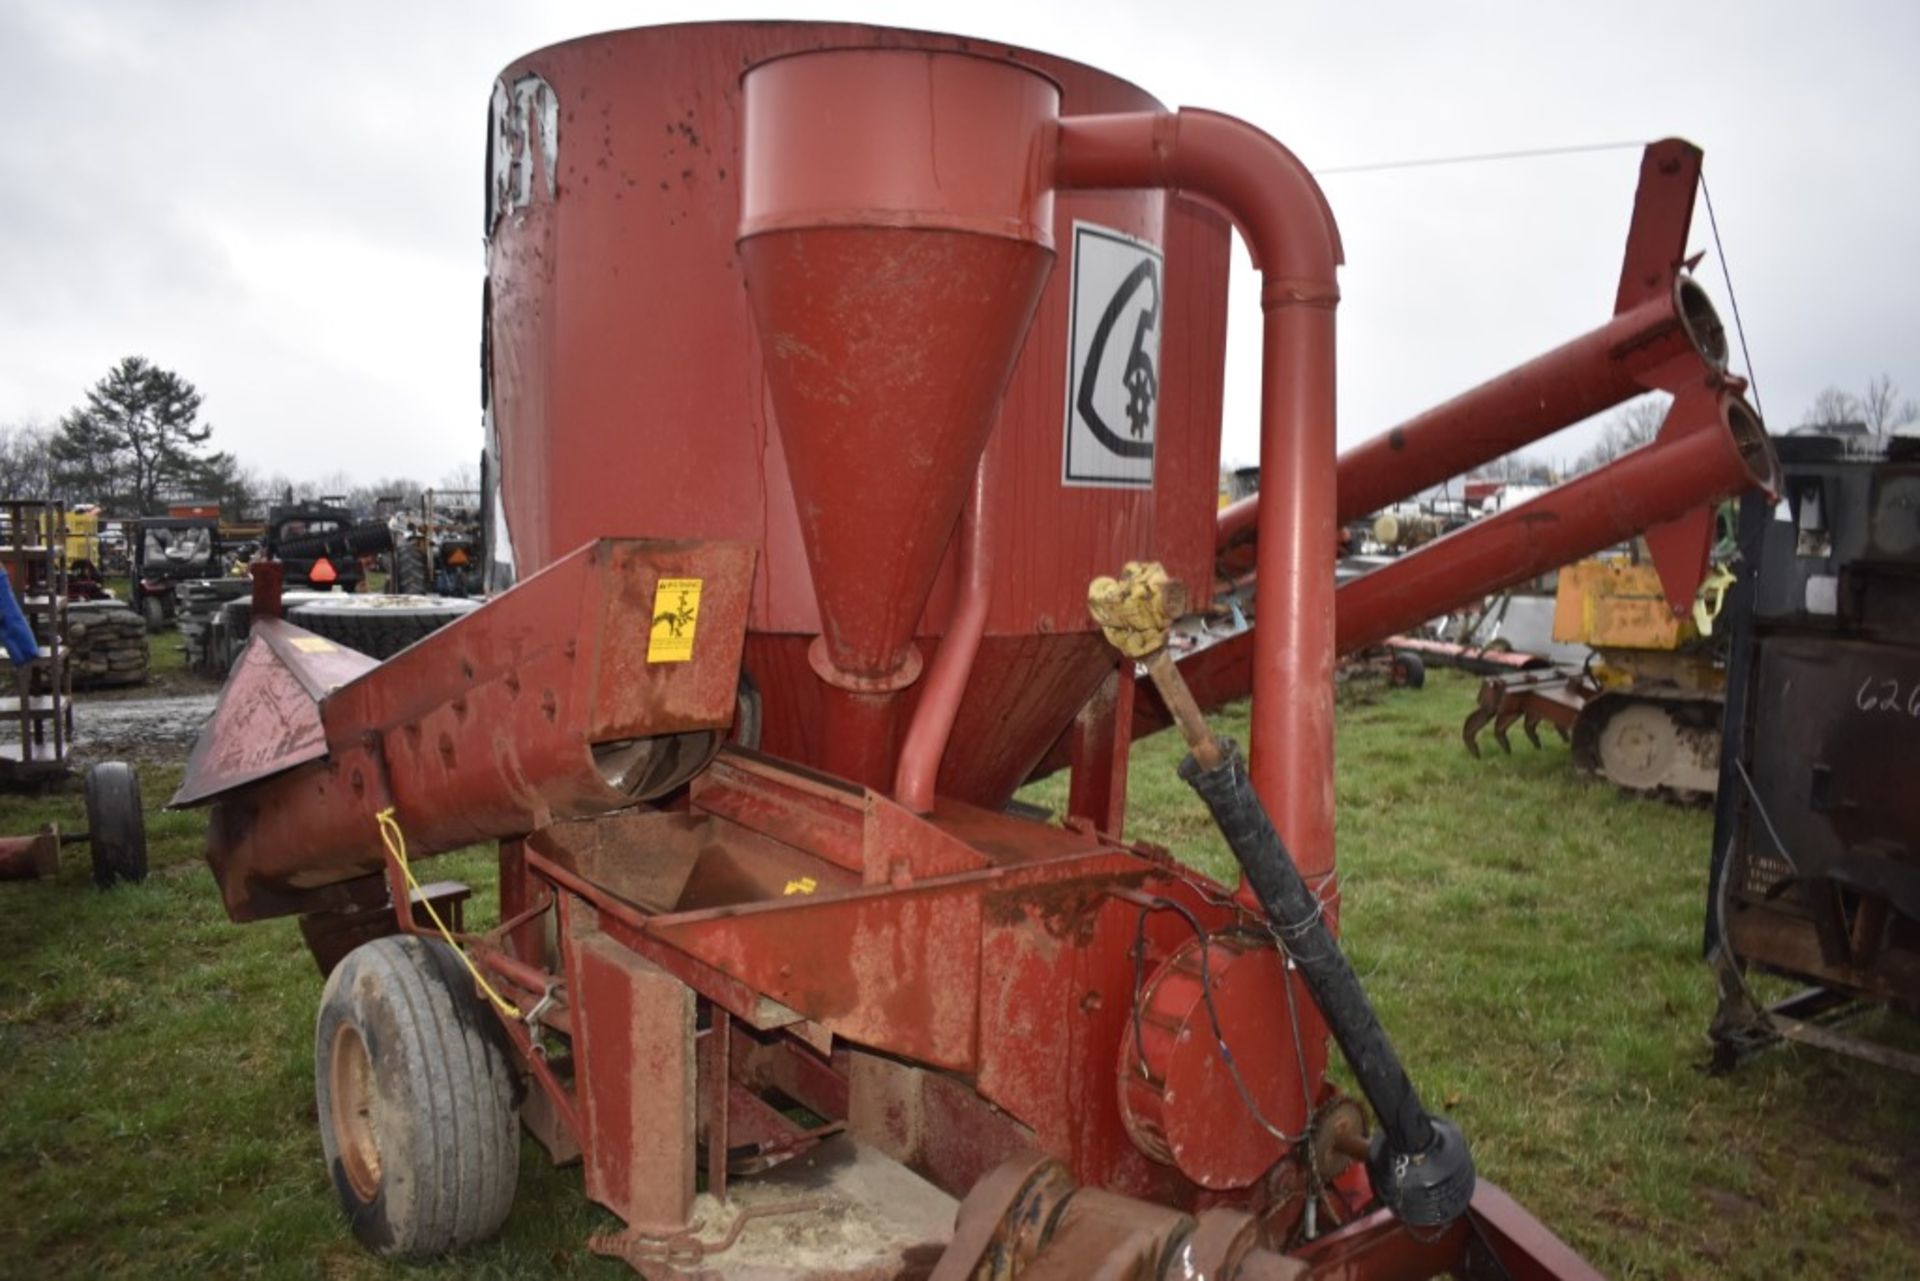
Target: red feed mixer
{"x":826,"y":366}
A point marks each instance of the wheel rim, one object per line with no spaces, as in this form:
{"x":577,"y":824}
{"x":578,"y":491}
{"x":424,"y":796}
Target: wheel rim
{"x":1637,"y":746}
{"x":350,"y":1090}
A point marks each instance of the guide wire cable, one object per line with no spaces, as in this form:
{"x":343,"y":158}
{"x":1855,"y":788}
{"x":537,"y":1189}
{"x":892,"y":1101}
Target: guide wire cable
{"x":1733,"y":301}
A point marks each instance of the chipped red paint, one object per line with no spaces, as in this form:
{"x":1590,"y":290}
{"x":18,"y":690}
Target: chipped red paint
{"x":761,"y":298}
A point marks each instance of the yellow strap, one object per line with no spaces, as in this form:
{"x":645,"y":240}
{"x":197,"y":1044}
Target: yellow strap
{"x":1710,"y":599}
{"x":396,"y":842}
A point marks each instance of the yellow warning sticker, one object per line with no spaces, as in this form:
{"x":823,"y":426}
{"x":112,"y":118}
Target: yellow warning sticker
{"x":676,"y":614}
{"x":801,"y":885}
{"x":313,"y":645}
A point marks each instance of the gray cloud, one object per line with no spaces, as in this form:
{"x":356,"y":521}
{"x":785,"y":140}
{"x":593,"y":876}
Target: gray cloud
{"x":283,"y":201}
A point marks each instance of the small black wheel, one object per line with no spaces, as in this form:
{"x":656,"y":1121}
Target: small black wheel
{"x":416,"y":1098}
{"x":1407,"y":672}
{"x":154,"y":610}
{"x":116,"y":827}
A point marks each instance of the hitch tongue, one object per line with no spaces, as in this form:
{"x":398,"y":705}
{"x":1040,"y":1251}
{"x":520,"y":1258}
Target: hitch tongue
{"x":1420,"y":1165}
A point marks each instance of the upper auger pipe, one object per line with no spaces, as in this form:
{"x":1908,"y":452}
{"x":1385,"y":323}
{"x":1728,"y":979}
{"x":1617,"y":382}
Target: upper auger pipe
{"x":1290,"y":232}
{"x":1664,"y":334}
{"x":1667,"y":340}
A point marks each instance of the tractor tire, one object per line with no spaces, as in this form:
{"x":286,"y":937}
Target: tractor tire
{"x":378,"y":626}
{"x":1407,"y":672}
{"x":410,"y":576}
{"x":416,"y":1097}
{"x":154,"y":610}
{"x":116,"y":826}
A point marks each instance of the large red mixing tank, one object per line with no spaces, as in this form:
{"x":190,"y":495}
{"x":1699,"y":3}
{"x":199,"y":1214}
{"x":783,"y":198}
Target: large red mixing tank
{"x":630,"y":392}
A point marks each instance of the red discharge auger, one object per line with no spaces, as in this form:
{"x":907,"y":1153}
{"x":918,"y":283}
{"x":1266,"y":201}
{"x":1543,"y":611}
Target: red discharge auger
{"x":825,"y":367}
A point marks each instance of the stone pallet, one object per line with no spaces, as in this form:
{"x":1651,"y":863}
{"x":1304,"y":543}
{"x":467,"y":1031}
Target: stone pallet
{"x":106,"y":645}
{"x":198,"y":602}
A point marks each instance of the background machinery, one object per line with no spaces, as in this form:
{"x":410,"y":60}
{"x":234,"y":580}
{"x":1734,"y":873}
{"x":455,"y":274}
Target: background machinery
{"x":1816,"y":840}
{"x":168,"y":551}
{"x":438,"y":548}
{"x":1643,"y":711}
{"x":803,"y":541}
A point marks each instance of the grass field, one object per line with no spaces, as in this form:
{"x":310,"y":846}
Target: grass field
{"x":1531,"y":940}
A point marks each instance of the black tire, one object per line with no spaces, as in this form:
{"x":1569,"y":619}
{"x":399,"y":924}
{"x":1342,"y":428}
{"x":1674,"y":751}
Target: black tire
{"x":1407,"y":672}
{"x":410,"y":577}
{"x":116,"y":826}
{"x":154,"y":610}
{"x":378,"y":626}
{"x":411,"y":1068}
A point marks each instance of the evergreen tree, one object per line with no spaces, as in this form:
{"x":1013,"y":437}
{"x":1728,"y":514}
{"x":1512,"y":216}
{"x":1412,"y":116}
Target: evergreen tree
{"x":137,"y":437}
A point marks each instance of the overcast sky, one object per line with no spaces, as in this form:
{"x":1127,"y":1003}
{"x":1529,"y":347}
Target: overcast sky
{"x":282,"y":201}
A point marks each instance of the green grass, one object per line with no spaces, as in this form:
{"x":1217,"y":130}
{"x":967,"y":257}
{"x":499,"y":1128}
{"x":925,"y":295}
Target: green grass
{"x":1530,"y":938}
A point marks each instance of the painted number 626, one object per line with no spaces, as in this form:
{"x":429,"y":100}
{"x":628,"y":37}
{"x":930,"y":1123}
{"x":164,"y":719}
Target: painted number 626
{"x":1883,"y":694}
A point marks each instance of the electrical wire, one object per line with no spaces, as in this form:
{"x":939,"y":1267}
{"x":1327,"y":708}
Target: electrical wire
{"x":1429,"y":162}
{"x":1739,"y":329}
{"x":1205,"y":939}
{"x":1766,"y":819}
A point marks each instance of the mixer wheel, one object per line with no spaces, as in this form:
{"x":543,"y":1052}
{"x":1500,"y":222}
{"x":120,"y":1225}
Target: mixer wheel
{"x":416,"y":1096}
{"x":1407,"y":672}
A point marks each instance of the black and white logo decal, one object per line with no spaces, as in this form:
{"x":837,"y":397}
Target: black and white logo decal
{"x":1113,"y":378}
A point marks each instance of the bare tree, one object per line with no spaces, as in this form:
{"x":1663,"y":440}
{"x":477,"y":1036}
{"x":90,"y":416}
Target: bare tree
{"x":1627,"y":428}
{"x":26,"y":460}
{"x":1882,"y":410}
{"x":464,"y":477}
{"x":1516,"y":469}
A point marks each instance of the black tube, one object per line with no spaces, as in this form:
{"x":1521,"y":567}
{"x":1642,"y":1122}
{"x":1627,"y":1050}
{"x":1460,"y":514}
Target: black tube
{"x":1420,"y":1164}
{"x":367,"y":538}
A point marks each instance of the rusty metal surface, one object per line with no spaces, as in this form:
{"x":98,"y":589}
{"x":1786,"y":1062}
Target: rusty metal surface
{"x":880,"y":468}
{"x":1179,"y":1094}
{"x":1662,"y":330}
{"x":661,"y":110}
{"x":1553,"y":697}
{"x":1713,"y":447}
{"x":931,"y":728}
{"x":1027,"y":1221}
{"x":1662,"y":221}
{"x":1097,"y":746}
{"x":895,"y":235}
{"x":1290,"y":232}
{"x":1472,"y":658}
{"x":26,"y":858}
{"x":951,"y":983}
{"x":634,"y":1058}
{"x":1720,"y":450}
{"x":539,"y":706}
{"x":268,"y":716}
